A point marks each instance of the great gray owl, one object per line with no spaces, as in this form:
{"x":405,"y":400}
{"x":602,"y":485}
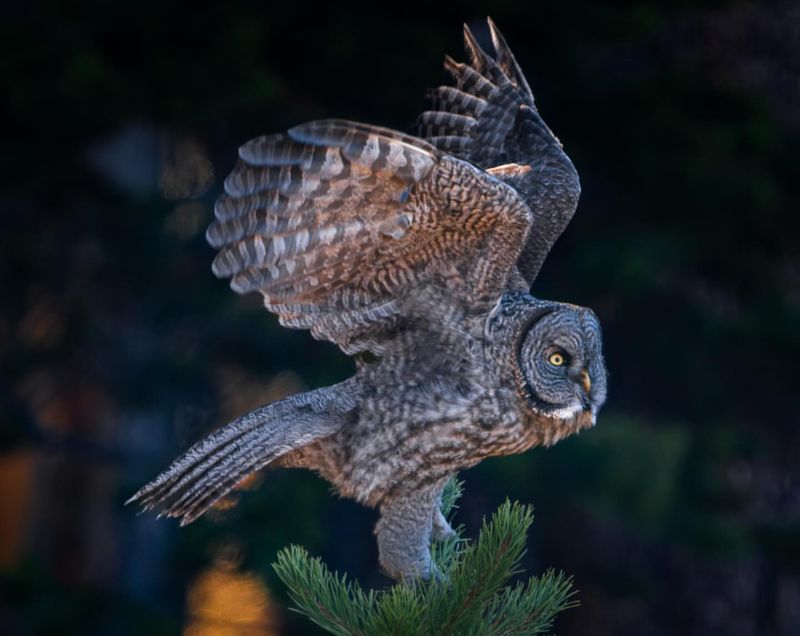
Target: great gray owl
{"x":414,"y":255}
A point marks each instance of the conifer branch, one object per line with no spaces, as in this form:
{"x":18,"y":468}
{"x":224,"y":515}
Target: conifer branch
{"x":473,"y":595}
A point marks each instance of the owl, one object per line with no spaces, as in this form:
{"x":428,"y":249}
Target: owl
{"x":415,"y":255}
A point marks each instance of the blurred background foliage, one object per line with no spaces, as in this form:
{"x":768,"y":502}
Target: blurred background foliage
{"x":679,"y":513}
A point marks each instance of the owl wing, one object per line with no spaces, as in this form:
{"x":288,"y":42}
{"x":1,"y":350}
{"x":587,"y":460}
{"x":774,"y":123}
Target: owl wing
{"x":339,"y":224}
{"x":490,"y":119}
{"x":214,"y":465}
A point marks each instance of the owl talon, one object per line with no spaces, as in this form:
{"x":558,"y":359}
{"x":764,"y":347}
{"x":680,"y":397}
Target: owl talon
{"x":437,"y":576}
{"x":441,"y":529}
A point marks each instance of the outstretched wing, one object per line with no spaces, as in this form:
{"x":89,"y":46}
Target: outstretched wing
{"x":217,"y":463}
{"x":489,"y":118}
{"x":337,"y":224}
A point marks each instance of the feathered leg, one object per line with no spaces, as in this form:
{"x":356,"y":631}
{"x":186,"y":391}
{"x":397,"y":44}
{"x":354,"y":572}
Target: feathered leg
{"x":404,"y":533}
{"x":441,"y":526}
{"x":213,"y":466}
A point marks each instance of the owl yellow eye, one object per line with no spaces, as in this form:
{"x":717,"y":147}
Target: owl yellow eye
{"x":556,"y":359}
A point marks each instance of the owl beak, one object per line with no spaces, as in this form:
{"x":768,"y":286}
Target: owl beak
{"x":586,"y":381}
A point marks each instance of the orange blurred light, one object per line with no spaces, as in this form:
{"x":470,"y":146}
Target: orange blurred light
{"x":223,"y":601}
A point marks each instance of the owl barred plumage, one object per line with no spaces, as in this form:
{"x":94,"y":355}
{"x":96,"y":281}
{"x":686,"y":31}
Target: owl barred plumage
{"x":414,"y":254}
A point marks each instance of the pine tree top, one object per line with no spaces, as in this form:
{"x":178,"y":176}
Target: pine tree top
{"x":471,"y":595}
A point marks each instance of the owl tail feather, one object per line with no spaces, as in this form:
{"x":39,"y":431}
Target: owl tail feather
{"x":213,"y":466}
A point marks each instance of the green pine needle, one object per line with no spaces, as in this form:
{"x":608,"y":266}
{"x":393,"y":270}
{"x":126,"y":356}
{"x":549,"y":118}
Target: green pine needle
{"x":471,"y":597}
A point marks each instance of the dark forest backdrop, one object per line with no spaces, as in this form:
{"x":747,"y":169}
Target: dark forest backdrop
{"x":678,"y":514}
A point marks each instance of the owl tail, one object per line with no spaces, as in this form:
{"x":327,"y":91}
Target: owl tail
{"x":213,"y":466}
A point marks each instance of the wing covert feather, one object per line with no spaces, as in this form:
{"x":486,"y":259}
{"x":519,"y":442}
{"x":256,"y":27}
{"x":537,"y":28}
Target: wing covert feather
{"x":335,"y":223}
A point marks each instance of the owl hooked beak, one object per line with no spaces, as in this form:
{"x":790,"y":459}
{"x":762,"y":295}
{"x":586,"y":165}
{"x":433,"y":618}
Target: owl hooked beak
{"x":586,"y":381}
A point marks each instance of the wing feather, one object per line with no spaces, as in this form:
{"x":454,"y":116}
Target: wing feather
{"x":490,"y":119}
{"x":215,"y":464}
{"x":336,"y":222}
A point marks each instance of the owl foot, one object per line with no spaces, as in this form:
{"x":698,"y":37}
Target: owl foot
{"x":441,"y":528}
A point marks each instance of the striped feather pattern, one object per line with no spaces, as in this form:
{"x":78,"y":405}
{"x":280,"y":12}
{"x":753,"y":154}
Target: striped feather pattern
{"x":489,"y":118}
{"x":473,"y":119}
{"x":334,"y":221}
{"x":217,"y":463}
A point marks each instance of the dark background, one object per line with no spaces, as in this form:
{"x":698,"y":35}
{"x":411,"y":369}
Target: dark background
{"x":678,"y":514}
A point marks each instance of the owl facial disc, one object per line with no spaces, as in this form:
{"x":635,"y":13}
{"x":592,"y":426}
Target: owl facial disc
{"x":561,"y":362}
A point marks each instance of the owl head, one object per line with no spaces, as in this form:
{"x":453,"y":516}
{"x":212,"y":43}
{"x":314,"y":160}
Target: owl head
{"x":557,"y":350}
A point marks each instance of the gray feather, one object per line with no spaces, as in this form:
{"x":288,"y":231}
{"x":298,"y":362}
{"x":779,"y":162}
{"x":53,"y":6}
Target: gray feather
{"x":498,"y":124}
{"x":213,"y":466}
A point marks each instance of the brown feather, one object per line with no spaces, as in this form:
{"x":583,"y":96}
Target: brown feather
{"x":333,"y":220}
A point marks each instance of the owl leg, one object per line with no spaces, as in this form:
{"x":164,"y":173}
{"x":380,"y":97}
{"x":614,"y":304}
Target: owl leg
{"x":441,"y":527}
{"x":404,"y":534}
